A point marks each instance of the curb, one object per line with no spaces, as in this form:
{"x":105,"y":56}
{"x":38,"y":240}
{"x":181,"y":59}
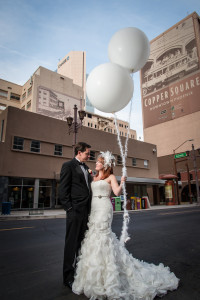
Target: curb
{"x":62,"y":215}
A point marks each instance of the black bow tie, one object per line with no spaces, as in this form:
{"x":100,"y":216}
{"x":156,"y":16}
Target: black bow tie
{"x":82,"y":164}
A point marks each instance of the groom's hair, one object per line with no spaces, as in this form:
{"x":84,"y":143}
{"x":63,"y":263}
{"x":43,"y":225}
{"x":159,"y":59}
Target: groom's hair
{"x":81,"y":146}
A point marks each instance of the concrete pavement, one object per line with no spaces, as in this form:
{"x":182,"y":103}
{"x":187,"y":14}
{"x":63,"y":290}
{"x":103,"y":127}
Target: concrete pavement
{"x":60,"y":213}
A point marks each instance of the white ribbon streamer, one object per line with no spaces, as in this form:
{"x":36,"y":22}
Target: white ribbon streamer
{"x":123,"y":151}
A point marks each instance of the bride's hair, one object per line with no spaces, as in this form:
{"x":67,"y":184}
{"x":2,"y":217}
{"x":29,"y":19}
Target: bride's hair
{"x":106,"y":172}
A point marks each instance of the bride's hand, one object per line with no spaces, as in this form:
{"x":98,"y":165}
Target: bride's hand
{"x":123,"y":179}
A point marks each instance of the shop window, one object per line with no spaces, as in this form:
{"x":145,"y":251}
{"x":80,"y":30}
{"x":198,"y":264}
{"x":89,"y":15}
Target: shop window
{"x":146,"y":163}
{"x":18,"y":143}
{"x":58,"y":150}
{"x":134,"y":162}
{"x":45,"y":193}
{"x":14,"y":97}
{"x":35,"y":146}
{"x":119,"y":160}
{"x":92,"y":155}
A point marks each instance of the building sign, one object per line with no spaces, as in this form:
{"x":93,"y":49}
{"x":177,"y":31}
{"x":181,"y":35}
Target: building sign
{"x":176,"y":100}
{"x":56,"y":105}
{"x":63,"y":62}
{"x":170,"y":80}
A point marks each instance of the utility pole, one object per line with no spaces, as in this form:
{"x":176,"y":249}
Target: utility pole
{"x":189,"y":183}
{"x":175,"y":171}
{"x":196,"y":173}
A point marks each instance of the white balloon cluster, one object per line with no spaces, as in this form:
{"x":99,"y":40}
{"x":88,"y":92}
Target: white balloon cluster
{"x":109,"y":86}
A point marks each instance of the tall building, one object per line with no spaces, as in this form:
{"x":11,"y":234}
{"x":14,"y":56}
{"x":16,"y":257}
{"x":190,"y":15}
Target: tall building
{"x":54,"y":94}
{"x":170,"y":87}
{"x":73,"y":66}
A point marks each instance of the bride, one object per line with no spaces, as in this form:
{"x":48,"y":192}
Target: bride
{"x":105,"y":269}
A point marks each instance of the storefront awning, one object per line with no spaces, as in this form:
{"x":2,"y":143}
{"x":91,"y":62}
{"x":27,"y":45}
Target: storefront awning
{"x":139,"y":180}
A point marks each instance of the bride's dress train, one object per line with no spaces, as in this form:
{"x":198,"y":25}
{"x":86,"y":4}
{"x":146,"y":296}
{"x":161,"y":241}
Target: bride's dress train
{"x":105,"y":269}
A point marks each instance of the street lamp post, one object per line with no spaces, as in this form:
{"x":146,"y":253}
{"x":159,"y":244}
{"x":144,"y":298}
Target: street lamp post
{"x":73,"y":124}
{"x":175,"y":169}
{"x":196,"y":174}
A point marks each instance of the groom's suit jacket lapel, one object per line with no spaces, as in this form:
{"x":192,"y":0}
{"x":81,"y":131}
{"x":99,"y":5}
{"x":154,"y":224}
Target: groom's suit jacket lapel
{"x":80,"y":172}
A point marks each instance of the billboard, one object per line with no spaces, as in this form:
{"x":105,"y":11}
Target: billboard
{"x":170,"y":80}
{"x":55,"y":105}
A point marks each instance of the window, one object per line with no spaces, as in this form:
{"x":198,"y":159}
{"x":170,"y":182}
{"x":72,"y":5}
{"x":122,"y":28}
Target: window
{"x":29,"y":90}
{"x":28,"y":104}
{"x":134,"y":162}
{"x":92,"y":155}
{"x":119,"y":160}
{"x":146,"y":163}
{"x":23,"y":96}
{"x":58,"y":150}
{"x":18,"y":143}
{"x":35,"y":146}
{"x":89,"y":116}
{"x":14,"y":96}
{"x":3,"y":93}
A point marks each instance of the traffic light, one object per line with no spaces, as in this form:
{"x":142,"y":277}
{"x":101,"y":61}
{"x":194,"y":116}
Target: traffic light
{"x":179,"y":176}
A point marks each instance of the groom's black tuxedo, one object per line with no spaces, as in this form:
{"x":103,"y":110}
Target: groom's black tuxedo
{"x":75,"y":196}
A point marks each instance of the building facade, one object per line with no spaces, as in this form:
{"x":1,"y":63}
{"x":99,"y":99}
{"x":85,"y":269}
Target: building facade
{"x":51,"y":94}
{"x":170,"y":88}
{"x":73,"y":66}
{"x":33,"y":148}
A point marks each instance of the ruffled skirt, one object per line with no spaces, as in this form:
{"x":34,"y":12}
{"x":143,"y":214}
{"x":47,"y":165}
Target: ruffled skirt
{"x":106,"y":270}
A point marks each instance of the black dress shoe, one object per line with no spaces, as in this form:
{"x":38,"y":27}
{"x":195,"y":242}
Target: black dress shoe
{"x":68,"y":284}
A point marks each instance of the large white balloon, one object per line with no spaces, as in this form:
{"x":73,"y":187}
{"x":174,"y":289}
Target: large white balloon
{"x":129,"y":48}
{"x":109,"y":87}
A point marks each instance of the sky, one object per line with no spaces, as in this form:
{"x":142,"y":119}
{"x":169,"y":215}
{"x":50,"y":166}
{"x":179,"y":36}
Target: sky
{"x":41,"y":32}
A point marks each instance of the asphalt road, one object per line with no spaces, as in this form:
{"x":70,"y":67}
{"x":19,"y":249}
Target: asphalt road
{"x":31,"y":253}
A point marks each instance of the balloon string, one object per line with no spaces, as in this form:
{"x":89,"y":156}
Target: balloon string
{"x":124,"y":234}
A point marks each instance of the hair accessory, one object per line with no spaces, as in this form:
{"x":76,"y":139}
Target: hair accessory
{"x":109,"y":159}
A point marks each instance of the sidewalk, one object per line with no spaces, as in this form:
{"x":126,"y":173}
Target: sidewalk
{"x":60,"y":213}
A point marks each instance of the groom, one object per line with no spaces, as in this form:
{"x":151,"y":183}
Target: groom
{"x":75,"y":196}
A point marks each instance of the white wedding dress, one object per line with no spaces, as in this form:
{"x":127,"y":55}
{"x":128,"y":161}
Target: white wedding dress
{"x":105,"y":269}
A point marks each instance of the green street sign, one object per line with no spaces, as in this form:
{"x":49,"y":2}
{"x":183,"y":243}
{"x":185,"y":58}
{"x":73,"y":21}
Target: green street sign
{"x":179,"y":155}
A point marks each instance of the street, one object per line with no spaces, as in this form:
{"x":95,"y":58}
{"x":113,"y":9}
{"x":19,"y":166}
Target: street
{"x":31,"y":252}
